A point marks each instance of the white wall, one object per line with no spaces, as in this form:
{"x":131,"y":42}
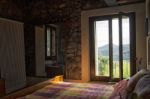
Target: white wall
{"x":40,"y":51}
{"x":148,"y":16}
{"x":140,"y":32}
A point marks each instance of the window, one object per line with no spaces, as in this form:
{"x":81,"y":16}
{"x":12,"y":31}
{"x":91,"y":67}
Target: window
{"x":112,"y":45}
{"x":50,"y":42}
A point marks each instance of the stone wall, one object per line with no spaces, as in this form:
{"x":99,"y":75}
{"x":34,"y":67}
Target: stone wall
{"x":66,"y":13}
{"x":71,"y":44}
{"x":9,"y":9}
{"x":71,"y":38}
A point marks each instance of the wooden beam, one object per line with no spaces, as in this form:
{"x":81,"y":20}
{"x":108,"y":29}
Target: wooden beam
{"x":129,"y":1}
{"x":111,"y":2}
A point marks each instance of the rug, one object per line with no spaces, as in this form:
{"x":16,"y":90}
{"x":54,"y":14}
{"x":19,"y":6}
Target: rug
{"x":67,"y":90}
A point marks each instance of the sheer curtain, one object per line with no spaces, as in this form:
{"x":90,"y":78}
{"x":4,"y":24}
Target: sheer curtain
{"x":12,"y":54}
{"x":40,"y":51}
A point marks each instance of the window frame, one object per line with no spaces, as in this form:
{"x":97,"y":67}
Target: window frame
{"x":53,"y":46}
{"x":132,"y":45}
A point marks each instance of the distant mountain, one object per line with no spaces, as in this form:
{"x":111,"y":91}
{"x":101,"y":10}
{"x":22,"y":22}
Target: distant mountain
{"x":104,"y":51}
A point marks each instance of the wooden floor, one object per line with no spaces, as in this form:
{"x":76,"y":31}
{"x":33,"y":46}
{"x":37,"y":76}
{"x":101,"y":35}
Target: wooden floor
{"x":35,"y":80}
{"x":31,"y":87}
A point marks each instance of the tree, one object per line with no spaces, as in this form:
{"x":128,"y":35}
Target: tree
{"x":102,"y":65}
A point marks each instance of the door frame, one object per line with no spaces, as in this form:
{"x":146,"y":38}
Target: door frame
{"x":132,"y":45}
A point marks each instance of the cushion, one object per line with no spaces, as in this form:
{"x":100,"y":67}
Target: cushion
{"x":142,"y":88}
{"x":117,"y":97}
{"x":132,"y":95}
{"x":119,"y":90}
{"x":134,"y":79}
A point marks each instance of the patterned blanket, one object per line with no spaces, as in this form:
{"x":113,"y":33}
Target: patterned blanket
{"x":67,"y":90}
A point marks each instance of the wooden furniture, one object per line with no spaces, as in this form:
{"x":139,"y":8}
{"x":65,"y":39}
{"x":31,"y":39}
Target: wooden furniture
{"x":2,"y":87}
{"x":53,"y":71}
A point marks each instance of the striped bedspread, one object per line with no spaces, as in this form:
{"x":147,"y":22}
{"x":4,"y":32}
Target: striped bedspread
{"x":67,"y":90}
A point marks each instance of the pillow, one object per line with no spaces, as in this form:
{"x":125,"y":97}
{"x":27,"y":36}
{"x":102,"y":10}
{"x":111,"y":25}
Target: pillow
{"x":132,"y":96}
{"x":142,"y":88}
{"x":119,"y":90}
{"x":117,"y":97}
{"x":134,"y":79}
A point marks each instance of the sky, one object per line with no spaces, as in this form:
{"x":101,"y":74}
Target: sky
{"x":102,"y":31}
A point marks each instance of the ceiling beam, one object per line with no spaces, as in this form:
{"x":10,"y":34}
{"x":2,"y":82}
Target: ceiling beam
{"x":111,"y":2}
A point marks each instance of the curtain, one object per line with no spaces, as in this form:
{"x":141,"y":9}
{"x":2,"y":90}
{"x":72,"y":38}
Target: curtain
{"x":12,"y":54}
{"x":40,"y":51}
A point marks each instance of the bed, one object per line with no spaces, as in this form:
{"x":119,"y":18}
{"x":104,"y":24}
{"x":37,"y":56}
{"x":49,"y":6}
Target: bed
{"x":137,"y":87}
{"x":70,"y":90}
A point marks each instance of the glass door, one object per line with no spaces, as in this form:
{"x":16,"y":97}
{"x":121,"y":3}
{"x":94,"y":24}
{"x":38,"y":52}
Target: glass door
{"x":115,"y":48}
{"x":111,"y":55}
{"x":102,"y":48}
{"x":126,"y":46}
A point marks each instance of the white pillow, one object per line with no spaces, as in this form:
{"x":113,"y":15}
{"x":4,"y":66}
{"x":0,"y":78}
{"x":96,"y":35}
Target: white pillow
{"x":142,"y":88}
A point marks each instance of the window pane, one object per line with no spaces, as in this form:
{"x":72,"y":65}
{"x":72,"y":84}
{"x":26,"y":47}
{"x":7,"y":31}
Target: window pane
{"x":48,"y":42}
{"x":53,"y":43}
{"x":115,"y":40}
{"x":126,"y":46}
{"x":102,"y":48}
